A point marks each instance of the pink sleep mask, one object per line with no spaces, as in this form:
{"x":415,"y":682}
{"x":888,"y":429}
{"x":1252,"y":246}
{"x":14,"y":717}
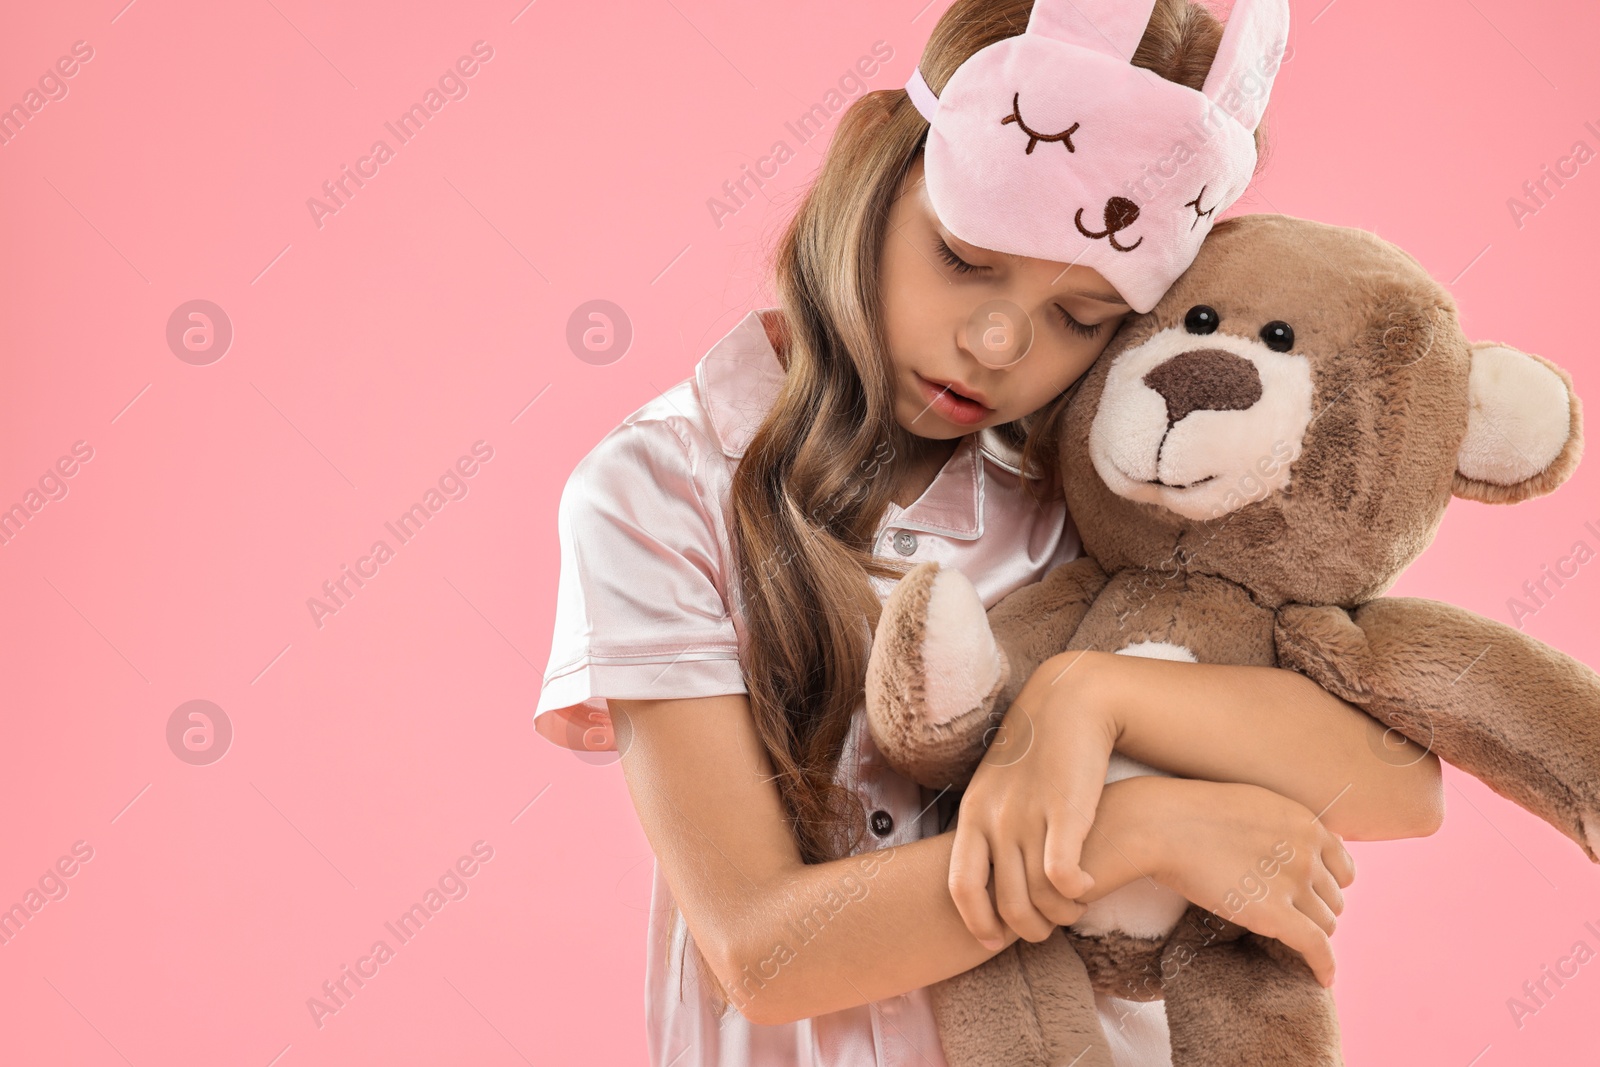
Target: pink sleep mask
{"x":1051,"y":144}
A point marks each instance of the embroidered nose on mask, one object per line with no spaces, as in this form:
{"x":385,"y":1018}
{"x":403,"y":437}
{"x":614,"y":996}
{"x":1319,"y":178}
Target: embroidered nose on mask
{"x":1119,"y":213}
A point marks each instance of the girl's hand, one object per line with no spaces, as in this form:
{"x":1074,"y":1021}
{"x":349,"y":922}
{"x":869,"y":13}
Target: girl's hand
{"x":1255,"y":858}
{"x":1030,"y":804}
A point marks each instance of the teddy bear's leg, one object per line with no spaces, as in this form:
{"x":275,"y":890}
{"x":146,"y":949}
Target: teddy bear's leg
{"x":1237,"y":999}
{"x":941,"y":676}
{"x":1507,"y":709}
{"x":1028,"y":1006}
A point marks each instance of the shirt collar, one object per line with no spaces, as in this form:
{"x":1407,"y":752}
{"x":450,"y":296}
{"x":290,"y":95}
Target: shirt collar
{"x":739,"y":380}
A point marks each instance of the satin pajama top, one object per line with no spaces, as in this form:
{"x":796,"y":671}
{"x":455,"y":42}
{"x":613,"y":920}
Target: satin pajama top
{"x":646,"y":608}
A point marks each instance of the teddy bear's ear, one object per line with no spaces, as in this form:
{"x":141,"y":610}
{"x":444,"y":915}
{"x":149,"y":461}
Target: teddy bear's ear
{"x":1524,"y":427}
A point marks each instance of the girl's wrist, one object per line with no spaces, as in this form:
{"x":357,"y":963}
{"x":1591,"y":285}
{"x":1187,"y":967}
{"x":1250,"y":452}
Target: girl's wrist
{"x":1187,"y":812}
{"x":1170,"y":808}
{"x":1131,"y":837}
{"x":1084,"y":684}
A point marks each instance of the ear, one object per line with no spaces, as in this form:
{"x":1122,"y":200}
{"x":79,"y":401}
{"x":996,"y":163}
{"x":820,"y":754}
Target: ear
{"x":1524,"y":427}
{"x":1253,"y":46}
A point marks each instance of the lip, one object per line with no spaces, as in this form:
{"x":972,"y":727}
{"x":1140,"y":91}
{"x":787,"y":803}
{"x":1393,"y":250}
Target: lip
{"x":957,"y":387}
{"x":953,"y":402}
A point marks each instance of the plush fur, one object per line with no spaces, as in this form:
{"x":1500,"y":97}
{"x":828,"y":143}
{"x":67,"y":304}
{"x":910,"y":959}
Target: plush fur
{"x":1246,"y":501}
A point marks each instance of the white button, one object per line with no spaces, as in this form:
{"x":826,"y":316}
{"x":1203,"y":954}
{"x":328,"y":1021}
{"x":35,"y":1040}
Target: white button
{"x":905,"y":542}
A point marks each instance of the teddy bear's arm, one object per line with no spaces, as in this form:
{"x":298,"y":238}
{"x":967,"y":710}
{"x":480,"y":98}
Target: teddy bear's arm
{"x":1507,"y":709}
{"x":1038,"y":621}
{"x":943,"y":671}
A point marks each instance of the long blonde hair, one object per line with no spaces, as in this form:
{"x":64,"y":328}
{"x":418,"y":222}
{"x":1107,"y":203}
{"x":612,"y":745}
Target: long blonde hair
{"x":805,"y":502}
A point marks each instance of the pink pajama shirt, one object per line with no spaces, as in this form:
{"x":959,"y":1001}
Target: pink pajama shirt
{"x":647,"y":608}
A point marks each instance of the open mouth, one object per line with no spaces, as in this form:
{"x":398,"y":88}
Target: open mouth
{"x":953,"y":406}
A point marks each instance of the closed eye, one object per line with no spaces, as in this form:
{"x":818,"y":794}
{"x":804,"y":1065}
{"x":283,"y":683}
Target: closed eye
{"x":948,"y":254}
{"x":1082,"y":329}
{"x":961,"y":266}
{"x":1035,"y":136}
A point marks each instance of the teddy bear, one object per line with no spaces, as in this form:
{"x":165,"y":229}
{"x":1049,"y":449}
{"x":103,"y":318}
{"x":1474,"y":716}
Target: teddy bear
{"x":1249,"y":466}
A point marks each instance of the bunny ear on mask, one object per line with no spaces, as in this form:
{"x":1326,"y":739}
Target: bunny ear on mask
{"x":1237,"y":82}
{"x":1052,"y":144}
{"x":1105,"y":26}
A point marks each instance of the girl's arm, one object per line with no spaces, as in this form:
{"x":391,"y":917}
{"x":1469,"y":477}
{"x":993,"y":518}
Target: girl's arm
{"x":1027,"y":811}
{"x":703,"y":788}
{"x":1259,"y":725}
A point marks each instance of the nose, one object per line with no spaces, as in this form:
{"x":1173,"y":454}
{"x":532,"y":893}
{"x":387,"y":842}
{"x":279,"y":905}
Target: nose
{"x":1208,"y":379}
{"x":1120,"y":213}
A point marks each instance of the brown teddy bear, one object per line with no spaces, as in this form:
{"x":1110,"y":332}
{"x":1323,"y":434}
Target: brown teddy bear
{"x":1250,"y":465}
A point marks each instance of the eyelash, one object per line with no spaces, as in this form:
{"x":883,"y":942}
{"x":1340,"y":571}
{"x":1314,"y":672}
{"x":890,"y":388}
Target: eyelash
{"x":961,"y":266}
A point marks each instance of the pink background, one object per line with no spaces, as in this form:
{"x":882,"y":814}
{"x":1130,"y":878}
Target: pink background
{"x":371,"y":752}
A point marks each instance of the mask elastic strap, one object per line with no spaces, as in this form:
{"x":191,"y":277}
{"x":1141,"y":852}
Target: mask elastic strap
{"x":921,"y":95}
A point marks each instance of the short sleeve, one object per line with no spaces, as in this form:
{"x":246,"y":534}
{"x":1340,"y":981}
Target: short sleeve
{"x":640,"y":608}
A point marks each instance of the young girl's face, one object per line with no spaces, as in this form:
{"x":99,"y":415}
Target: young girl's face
{"x":979,"y":338}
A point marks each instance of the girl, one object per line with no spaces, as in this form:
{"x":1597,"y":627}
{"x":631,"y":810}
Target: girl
{"x":725,"y":552}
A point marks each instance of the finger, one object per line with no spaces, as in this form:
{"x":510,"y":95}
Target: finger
{"x":1329,"y":891}
{"x":1338,"y":860}
{"x":1056,"y":906}
{"x":1080,"y":749}
{"x":1063,"y":854}
{"x":1313,"y":907}
{"x":969,"y":885}
{"x":1306,"y":938}
{"x":1011,"y":893}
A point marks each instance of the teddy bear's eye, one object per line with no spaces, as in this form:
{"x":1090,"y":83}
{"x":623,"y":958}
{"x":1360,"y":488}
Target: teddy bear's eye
{"x":1279,"y":336}
{"x":1201,"y":319}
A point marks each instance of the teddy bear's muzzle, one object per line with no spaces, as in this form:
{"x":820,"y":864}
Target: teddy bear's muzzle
{"x":1201,"y":428}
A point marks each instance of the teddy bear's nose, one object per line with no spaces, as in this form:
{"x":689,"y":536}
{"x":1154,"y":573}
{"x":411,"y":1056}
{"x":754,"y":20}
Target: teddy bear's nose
{"x":1208,"y":379}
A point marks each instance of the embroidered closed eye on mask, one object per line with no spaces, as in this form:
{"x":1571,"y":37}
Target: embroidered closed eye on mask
{"x":1053,"y":145}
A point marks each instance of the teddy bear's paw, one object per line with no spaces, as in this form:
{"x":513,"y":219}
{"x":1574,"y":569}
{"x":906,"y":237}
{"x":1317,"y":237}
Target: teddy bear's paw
{"x":933,"y":679}
{"x":934,"y":658}
{"x":963,"y":667}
